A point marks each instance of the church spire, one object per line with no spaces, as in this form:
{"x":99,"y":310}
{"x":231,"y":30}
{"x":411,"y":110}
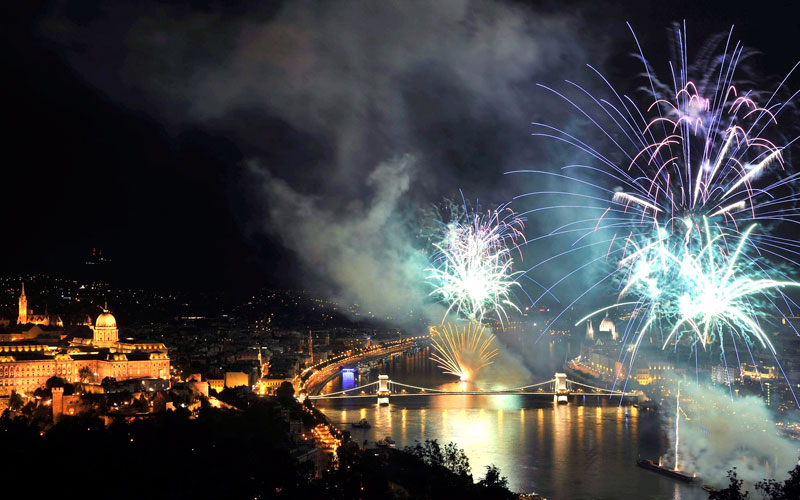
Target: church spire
{"x":22,"y":319}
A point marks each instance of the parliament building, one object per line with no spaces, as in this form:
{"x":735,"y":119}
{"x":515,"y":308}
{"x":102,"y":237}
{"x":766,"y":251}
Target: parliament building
{"x":31,"y":357}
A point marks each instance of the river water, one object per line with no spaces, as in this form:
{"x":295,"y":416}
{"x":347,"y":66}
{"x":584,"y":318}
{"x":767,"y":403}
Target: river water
{"x":584,"y":450}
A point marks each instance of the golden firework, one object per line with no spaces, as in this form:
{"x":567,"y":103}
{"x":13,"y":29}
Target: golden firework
{"x":462,"y":351}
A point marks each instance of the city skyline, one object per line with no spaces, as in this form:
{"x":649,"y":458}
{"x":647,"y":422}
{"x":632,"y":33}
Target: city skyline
{"x":492,"y":249}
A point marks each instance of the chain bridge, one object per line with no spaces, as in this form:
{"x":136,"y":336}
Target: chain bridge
{"x":560,"y":388}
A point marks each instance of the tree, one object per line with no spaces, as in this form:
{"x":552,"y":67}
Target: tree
{"x":450,"y":457}
{"x":141,"y":404}
{"x":496,"y":485}
{"x":86,"y":375}
{"x":15,"y":401}
{"x":285,"y":392}
{"x":493,"y":478}
{"x":733,"y":491}
{"x":788,"y":490}
{"x":107,"y":383}
{"x":43,"y":393}
{"x":55,"y":381}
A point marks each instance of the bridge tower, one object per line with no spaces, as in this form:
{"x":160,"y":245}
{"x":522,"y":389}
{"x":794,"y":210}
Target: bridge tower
{"x":383,"y":390}
{"x":560,"y":389}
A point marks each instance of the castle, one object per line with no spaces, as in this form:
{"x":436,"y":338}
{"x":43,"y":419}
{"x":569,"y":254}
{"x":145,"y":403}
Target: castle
{"x":25,"y":365}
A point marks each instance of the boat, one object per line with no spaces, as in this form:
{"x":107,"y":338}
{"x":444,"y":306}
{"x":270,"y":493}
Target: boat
{"x":386,"y":442}
{"x":710,"y":489}
{"x":361,"y":424}
{"x":674,"y":474}
{"x":648,"y":405}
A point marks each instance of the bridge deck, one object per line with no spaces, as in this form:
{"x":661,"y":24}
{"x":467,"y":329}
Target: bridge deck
{"x":559,"y":386}
{"x":471,"y":393}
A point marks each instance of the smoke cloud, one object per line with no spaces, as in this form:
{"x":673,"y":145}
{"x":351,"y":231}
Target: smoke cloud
{"x":723,"y":433}
{"x":319,"y":93}
{"x":362,"y":253}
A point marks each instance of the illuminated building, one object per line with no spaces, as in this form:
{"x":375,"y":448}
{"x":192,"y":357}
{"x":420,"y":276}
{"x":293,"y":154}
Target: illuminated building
{"x":755,"y":373}
{"x":26,"y":315}
{"x":722,"y":375}
{"x":237,"y":379}
{"x":607,"y":326}
{"x":217,"y":384}
{"x":655,"y":372}
{"x":589,"y":330}
{"x":26,"y":365}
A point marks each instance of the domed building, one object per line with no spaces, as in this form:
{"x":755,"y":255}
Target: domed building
{"x":608,"y":326}
{"x":26,"y":366}
{"x":105,"y":330}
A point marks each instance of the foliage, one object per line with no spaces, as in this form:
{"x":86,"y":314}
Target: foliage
{"x":108,"y":382}
{"x":285,"y":392}
{"x":449,"y":457}
{"x":86,"y":375}
{"x":15,"y":401}
{"x":248,"y":450}
{"x":733,"y":491}
{"x":55,"y":381}
{"x":495,"y":484}
{"x":787,"y":490}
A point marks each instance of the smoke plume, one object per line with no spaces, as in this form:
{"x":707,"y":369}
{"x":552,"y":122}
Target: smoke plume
{"x":721,"y":433}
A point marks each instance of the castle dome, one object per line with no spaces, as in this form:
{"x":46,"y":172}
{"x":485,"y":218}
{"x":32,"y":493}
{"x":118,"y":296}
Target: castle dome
{"x":106,"y":320}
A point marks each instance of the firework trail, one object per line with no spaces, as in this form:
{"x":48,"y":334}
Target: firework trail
{"x":702,"y":156}
{"x":472,"y":266}
{"x":462,"y":351}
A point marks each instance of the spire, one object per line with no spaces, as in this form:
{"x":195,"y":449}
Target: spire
{"x":105,"y":304}
{"x":22,"y":319}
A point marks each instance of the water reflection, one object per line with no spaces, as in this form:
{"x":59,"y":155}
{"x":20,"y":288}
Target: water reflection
{"x":573,"y":451}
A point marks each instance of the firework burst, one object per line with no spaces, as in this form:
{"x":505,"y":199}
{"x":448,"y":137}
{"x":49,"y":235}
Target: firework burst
{"x":472,"y":268}
{"x":700,"y":149}
{"x":462,"y":351}
{"x":702,"y":157}
{"x":703,"y":294}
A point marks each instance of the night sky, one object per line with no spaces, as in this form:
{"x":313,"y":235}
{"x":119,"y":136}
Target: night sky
{"x":193,"y":142}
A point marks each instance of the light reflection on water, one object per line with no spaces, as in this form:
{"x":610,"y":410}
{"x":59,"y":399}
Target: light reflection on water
{"x":576,"y":451}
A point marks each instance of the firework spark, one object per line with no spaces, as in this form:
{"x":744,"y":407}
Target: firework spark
{"x":462,"y":351}
{"x":703,"y":156}
{"x":704,"y":293}
{"x":472,"y":268}
{"x":699,"y":149}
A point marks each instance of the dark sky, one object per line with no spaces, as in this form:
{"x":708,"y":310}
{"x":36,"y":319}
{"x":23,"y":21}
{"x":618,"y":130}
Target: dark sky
{"x":146,"y":129}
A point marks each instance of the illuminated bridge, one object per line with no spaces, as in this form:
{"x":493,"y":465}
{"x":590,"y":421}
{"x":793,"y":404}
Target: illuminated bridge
{"x":560,"y":388}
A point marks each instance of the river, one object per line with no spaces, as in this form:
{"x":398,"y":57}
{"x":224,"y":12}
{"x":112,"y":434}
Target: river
{"x":584,"y":450}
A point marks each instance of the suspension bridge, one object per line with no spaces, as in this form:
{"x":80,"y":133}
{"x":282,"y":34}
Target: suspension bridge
{"x":560,"y":388}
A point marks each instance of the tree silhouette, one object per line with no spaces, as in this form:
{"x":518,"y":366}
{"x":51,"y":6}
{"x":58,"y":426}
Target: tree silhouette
{"x":733,"y":491}
{"x":787,"y":490}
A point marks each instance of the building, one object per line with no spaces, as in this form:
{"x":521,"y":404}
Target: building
{"x":756,"y":373}
{"x":655,"y":372}
{"x":589,"y":330}
{"x":26,"y":316}
{"x":607,"y":326}
{"x":237,"y":379}
{"x":26,"y":365}
{"x":722,"y":375}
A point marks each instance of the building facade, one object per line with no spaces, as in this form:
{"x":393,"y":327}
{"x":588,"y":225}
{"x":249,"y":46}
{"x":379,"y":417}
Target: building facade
{"x":26,"y":315}
{"x":26,"y":365}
